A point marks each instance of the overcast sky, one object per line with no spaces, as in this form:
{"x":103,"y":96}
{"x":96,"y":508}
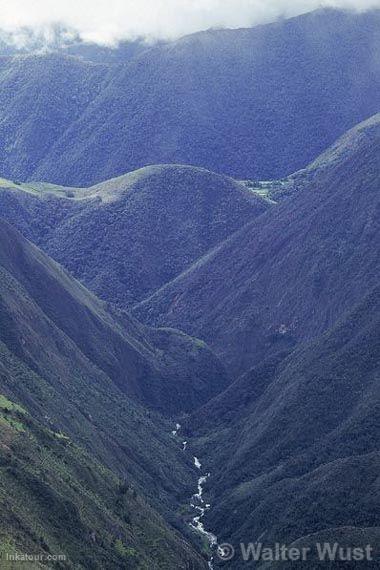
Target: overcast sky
{"x":108,"y":21}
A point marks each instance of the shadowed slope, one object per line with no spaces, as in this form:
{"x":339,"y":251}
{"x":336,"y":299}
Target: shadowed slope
{"x":70,"y":364}
{"x":292,"y":273}
{"x":354,"y":141}
{"x":128,"y":236}
{"x":251,"y":103}
{"x":40,"y":97}
{"x":301,"y":454}
{"x":172,"y":375}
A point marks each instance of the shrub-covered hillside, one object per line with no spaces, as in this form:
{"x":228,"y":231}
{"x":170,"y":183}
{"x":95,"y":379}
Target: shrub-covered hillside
{"x":255,"y":103}
{"x":126,"y":237}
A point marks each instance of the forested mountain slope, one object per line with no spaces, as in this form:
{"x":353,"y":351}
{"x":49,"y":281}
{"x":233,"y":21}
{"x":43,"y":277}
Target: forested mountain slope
{"x":164,"y":369}
{"x":298,"y":457}
{"x":58,"y":502}
{"x":244,"y":305}
{"x":126,"y":237}
{"x":40,"y":97}
{"x":90,"y":460}
{"x":254,"y":103}
{"x":290,"y":274}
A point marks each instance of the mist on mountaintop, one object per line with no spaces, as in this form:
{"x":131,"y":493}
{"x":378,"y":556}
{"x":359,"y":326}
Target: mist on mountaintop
{"x":116,"y":20}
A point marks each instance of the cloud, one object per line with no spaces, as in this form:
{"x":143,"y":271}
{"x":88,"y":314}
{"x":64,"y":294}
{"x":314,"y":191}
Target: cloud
{"x":107,"y":21}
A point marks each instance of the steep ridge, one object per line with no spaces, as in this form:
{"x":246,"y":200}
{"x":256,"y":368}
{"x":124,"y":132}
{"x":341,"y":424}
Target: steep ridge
{"x":163,"y":369}
{"x":108,"y":460}
{"x":290,"y":274}
{"x":40,"y":97}
{"x":59,"y":503}
{"x":301,"y":454}
{"x":240,"y":102}
{"x":126,"y":237}
{"x":252,"y":103}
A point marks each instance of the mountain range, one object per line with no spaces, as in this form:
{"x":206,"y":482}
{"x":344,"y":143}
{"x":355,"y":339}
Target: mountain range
{"x":94,"y":469}
{"x":292,"y":272}
{"x":189,"y":296}
{"x":127,"y":237}
{"x":254,"y":103}
{"x":288,"y":302}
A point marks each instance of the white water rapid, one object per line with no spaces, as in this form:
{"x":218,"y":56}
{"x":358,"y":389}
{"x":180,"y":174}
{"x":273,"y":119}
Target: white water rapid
{"x":198,"y":504}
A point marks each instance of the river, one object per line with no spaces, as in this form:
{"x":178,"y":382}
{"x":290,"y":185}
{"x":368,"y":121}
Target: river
{"x":198,"y":504}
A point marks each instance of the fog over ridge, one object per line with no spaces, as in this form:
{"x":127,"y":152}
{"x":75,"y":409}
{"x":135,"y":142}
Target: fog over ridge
{"x":110,"y":21}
